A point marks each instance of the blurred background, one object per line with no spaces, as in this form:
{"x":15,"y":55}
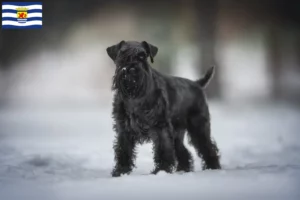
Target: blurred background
{"x":255,"y":46}
{"x":56,"y":81}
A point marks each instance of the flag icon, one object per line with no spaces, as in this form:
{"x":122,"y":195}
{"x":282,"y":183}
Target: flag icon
{"x":21,"y":15}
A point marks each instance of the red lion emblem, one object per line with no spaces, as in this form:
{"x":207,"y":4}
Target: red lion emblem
{"x":22,"y":15}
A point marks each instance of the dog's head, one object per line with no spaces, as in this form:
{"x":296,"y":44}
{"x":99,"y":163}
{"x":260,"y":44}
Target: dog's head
{"x":133,"y":72}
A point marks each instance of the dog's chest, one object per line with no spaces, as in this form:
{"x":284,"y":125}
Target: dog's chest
{"x":140,"y":116}
{"x":143,"y":117}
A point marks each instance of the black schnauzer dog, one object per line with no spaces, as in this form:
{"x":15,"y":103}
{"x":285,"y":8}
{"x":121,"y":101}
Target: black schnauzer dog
{"x":150,"y":106}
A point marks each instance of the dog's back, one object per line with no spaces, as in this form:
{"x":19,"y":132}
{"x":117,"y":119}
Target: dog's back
{"x":185,"y":97}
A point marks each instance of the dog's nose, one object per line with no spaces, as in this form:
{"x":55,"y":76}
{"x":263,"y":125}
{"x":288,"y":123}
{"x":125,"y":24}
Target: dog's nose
{"x":132,"y":70}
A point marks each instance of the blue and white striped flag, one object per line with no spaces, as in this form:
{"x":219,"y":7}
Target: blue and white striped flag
{"x":21,"y":15}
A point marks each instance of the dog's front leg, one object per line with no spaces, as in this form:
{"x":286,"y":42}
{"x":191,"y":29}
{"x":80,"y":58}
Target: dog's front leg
{"x":125,"y":154}
{"x":164,"y":155}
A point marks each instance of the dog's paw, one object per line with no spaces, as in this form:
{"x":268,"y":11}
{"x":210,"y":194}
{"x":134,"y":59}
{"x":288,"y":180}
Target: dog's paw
{"x":157,"y":170}
{"x":184,"y":169}
{"x":117,"y":172}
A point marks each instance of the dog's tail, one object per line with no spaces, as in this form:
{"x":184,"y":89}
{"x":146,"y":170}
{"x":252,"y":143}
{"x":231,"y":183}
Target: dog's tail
{"x":204,"y":81}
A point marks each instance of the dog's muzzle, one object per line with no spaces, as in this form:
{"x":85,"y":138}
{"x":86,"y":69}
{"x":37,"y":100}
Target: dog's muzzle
{"x":130,"y":73}
{"x":129,"y":80}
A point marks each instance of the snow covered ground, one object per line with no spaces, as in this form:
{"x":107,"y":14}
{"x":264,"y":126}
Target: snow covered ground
{"x":66,"y":154}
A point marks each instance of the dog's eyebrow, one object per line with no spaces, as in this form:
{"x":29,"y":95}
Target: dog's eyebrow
{"x":127,"y":54}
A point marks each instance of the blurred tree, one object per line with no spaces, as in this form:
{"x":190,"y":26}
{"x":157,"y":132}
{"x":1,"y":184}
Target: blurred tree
{"x":298,"y":50}
{"x":280,"y":16}
{"x":274,"y":60}
{"x":155,"y":22}
{"x":207,"y":12}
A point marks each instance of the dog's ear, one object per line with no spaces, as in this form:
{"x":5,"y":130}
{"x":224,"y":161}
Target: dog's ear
{"x":150,"y":49}
{"x":112,"y":51}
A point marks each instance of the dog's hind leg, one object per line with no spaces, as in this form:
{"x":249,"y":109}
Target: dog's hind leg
{"x":200,"y":138}
{"x":184,"y":157}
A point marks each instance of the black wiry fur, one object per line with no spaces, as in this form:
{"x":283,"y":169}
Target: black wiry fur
{"x":150,"y":106}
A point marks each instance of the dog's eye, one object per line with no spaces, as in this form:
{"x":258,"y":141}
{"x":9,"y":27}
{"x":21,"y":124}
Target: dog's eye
{"x":142,"y":56}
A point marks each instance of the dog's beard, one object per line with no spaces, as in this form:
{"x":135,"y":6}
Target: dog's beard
{"x":130,"y":86}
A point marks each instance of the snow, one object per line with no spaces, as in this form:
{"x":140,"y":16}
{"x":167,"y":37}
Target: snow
{"x":67,"y":154}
